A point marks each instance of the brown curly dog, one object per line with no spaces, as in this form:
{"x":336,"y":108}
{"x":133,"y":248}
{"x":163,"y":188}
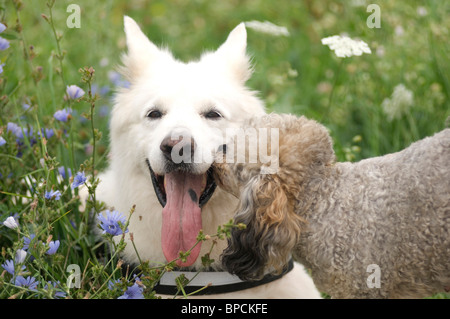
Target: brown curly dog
{"x":379,"y":228}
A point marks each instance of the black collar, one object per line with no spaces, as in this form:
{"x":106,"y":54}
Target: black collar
{"x":235,"y":284}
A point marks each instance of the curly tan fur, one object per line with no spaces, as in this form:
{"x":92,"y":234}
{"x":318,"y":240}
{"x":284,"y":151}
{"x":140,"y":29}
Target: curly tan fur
{"x":339,"y":218}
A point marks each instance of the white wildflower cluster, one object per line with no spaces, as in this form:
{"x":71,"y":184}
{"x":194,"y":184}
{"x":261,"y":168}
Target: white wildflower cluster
{"x":399,"y":103}
{"x":267,"y":27}
{"x":344,"y":46}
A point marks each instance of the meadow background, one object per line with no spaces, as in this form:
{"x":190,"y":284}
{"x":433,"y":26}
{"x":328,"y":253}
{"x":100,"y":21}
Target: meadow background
{"x":373,"y":104}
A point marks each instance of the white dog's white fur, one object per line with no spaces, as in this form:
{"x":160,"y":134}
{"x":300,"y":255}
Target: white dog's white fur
{"x":183,"y":92}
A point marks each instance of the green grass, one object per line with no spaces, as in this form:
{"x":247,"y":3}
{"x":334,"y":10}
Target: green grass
{"x":295,"y":74}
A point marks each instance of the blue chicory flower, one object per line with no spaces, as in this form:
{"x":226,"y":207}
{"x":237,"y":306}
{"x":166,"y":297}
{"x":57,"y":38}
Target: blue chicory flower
{"x":2,"y":141}
{"x":29,"y":282}
{"x":63,"y":115}
{"x":1,"y":67}
{"x":78,"y":180}
{"x":14,"y":129}
{"x":27,"y":241}
{"x":56,"y":195}
{"x":58,"y":294}
{"x":54,"y":245}
{"x":10,"y":267}
{"x":62,"y":171}
{"x":110,"y":222}
{"x":48,"y":132}
{"x":4,"y":44}
{"x":74,"y":92}
{"x":112,"y":283}
{"x":20,"y":132}
{"x":133,"y":292}
{"x":2,"y":27}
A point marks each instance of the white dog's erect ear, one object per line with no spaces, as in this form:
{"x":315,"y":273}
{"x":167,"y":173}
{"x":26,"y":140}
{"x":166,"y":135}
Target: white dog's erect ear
{"x":233,"y":50}
{"x":237,"y":40}
{"x":141,"y":51}
{"x":137,"y":41}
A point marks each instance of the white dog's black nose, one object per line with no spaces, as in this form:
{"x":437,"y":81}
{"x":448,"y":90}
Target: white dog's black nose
{"x":179,"y":148}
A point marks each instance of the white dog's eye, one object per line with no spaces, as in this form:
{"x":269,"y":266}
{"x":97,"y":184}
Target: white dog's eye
{"x":154,"y":114}
{"x":212,"y":115}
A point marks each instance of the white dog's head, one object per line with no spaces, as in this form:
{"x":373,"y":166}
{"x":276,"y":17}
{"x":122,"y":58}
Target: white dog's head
{"x":167,"y":125}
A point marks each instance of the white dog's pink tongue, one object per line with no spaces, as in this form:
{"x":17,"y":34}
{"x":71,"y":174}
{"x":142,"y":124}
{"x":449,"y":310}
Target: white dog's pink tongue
{"x":182,"y":218}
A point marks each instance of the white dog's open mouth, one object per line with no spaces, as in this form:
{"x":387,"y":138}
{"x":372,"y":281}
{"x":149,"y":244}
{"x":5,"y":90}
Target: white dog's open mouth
{"x":182,"y":195}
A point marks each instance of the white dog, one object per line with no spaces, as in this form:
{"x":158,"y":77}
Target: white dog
{"x":175,"y":108}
